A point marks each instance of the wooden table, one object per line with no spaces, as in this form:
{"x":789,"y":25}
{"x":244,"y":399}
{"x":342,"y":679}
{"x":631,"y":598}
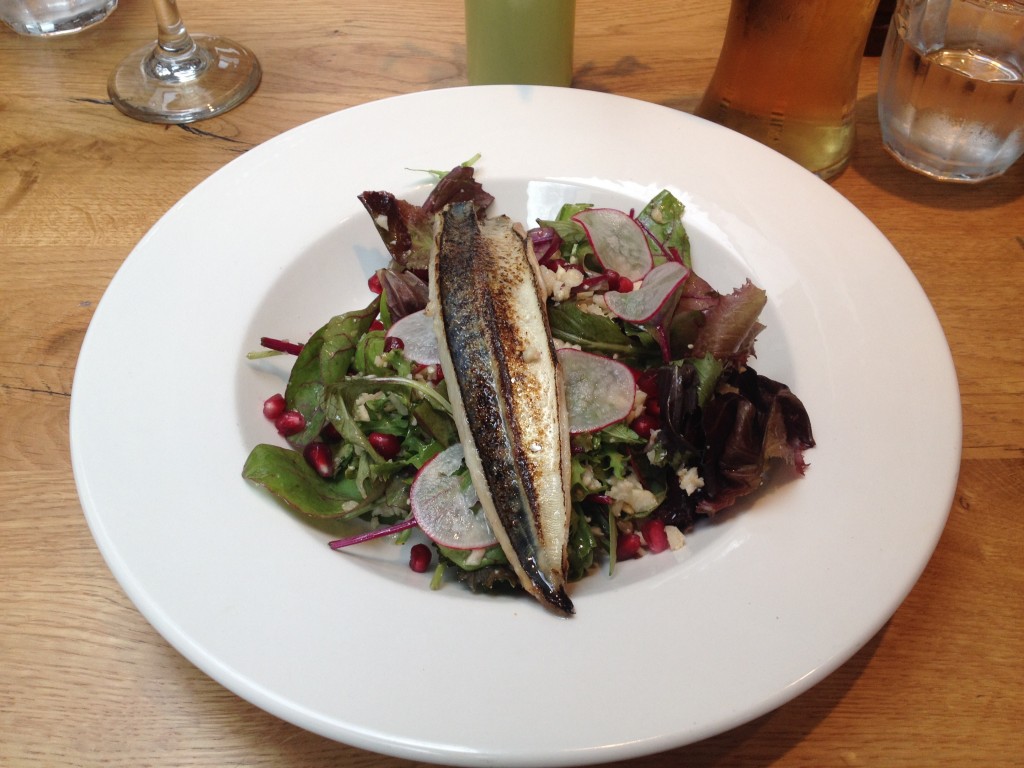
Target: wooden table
{"x":84,"y":680}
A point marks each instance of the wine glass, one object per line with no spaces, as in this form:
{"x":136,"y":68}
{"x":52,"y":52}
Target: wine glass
{"x":182,"y":78}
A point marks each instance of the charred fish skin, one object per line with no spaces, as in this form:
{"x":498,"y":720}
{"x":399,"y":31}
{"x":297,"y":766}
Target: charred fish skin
{"x":506,"y":390}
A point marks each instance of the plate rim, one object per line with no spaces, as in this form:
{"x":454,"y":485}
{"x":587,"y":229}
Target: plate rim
{"x":391,"y":744}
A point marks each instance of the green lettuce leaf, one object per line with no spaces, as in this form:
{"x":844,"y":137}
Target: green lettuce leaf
{"x":286,"y":475}
{"x":324,"y":359}
{"x":662,"y":218}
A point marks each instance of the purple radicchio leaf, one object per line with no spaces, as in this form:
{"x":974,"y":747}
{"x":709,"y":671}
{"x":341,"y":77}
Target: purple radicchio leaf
{"x":682,"y":429}
{"x":405,"y":291}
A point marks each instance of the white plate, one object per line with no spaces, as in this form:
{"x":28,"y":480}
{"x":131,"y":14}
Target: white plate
{"x":354,"y":646}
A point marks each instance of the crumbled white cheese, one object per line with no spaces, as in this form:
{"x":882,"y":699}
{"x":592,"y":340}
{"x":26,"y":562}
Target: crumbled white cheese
{"x":689,"y":480}
{"x":558,"y":284}
{"x":596,"y":306}
{"x":361,"y":414}
{"x":658,"y":453}
{"x":676,"y":539}
{"x":615,"y":511}
{"x":398,"y":404}
{"x":426,"y":373}
{"x":639,"y":399}
{"x":629,"y":491}
{"x":588,"y":481}
{"x":559,"y":344}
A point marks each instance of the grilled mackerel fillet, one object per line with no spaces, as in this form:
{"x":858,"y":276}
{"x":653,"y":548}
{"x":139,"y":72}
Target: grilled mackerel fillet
{"x":506,"y":390}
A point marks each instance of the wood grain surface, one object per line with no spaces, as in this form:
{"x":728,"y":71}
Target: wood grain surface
{"x":85,"y":681}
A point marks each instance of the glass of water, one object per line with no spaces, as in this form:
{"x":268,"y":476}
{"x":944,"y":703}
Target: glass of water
{"x":951,"y":87}
{"x":45,"y":18}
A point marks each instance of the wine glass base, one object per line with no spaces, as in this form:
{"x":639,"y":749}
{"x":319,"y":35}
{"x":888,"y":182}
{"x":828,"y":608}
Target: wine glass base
{"x":217,"y":76}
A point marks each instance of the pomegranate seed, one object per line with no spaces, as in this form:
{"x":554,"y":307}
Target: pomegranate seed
{"x":374,"y":284}
{"x":273,"y":406}
{"x":644,"y":424}
{"x":290,"y":423}
{"x":330,"y":433}
{"x":647,"y":382}
{"x":432,"y":373}
{"x":386,"y":445}
{"x":654,"y":534}
{"x":320,"y":457}
{"x":652,"y":406}
{"x":392,"y":343}
{"x":623,"y":284}
{"x":627,"y":546}
{"x":376,"y":325}
{"x":419,"y":557}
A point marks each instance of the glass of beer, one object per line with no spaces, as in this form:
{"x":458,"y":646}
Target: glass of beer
{"x":787,"y":76}
{"x":951,"y":87}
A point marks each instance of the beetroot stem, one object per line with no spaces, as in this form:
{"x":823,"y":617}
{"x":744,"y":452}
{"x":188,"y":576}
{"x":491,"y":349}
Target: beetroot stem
{"x":669,"y":253}
{"x":278,"y":345}
{"x":661,"y":336}
{"x":374,"y":534}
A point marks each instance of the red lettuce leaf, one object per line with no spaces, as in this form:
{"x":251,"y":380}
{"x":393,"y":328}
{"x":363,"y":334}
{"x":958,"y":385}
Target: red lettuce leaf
{"x":407,"y":229}
{"x":406,"y":292}
{"x":731,"y":325}
{"x":458,"y":186}
{"x":750,"y":423}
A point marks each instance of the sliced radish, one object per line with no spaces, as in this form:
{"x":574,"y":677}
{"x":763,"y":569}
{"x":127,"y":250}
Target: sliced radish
{"x":419,"y":342}
{"x":644,"y":304}
{"x":619,"y":242}
{"x":447,"y":512}
{"x":599,"y":391}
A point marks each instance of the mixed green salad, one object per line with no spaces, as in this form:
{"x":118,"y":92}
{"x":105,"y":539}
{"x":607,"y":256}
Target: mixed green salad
{"x":669,"y":422}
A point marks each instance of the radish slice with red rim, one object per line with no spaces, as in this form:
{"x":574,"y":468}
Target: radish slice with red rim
{"x":445,"y":503}
{"x":599,"y":391}
{"x":618,"y":241}
{"x":419,"y":342}
{"x":646,"y":303}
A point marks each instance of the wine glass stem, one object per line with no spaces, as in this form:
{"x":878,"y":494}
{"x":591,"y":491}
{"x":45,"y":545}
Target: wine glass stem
{"x":173,"y":39}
